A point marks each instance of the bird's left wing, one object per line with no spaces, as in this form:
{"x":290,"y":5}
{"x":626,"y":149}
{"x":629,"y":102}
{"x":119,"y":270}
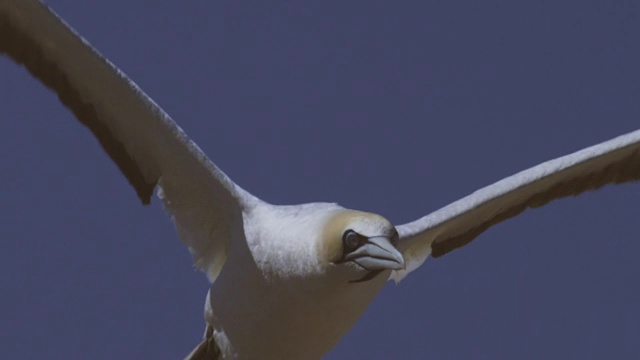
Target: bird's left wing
{"x":457,"y":224}
{"x":148,"y":147}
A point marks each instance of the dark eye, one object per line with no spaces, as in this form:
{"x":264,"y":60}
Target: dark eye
{"x":394,"y":238}
{"x":351,"y":240}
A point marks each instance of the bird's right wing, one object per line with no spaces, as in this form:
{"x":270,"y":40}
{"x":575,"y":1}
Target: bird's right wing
{"x":148,"y":147}
{"x":457,"y":224}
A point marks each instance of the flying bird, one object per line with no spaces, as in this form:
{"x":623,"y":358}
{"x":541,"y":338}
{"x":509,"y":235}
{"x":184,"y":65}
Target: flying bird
{"x":274,"y":267}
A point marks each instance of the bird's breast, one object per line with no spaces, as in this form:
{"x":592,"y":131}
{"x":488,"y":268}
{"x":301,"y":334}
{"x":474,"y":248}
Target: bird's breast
{"x":266,"y":317}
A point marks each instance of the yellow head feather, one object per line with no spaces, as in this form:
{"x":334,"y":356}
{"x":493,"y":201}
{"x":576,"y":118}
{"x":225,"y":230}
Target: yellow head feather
{"x":366,"y":224}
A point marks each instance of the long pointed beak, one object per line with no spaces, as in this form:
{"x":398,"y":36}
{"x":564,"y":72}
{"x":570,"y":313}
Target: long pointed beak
{"x":377,"y":254}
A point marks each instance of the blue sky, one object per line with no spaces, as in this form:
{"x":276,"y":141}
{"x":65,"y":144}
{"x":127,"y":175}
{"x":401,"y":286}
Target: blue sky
{"x":397,"y":109}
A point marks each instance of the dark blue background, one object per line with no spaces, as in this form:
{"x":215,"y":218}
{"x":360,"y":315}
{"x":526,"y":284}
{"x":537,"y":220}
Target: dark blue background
{"x":395,"y":108}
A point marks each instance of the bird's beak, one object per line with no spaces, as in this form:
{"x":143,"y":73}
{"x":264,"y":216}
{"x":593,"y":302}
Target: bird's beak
{"x":377,"y":254}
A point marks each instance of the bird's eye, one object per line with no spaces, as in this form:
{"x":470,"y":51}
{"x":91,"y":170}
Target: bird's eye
{"x":351,"y":240}
{"x":394,"y":238}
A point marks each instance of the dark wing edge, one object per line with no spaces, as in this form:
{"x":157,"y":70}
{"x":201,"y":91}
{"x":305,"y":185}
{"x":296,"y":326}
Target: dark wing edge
{"x":207,"y":349}
{"x":612,"y":162}
{"x":27,"y":49}
{"x":101,"y":97}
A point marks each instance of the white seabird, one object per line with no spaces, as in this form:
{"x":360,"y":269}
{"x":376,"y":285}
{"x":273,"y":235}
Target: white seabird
{"x":149,"y":154}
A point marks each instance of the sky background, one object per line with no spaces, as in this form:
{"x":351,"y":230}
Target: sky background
{"x":394,"y":108}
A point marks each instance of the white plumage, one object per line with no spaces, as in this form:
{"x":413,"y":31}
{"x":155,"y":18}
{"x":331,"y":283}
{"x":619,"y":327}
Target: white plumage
{"x":227,"y":229}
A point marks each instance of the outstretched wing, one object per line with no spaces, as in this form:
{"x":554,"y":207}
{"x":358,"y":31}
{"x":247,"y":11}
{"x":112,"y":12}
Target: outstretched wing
{"x":455,"y":225}
{"x":148,"y":147}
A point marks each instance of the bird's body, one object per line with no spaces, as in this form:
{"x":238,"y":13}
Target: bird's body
{"x":277,"y":286}
{"x":286,"y":281}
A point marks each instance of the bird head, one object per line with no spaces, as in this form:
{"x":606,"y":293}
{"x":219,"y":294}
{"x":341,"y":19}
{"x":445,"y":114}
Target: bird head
{"x":362,"y":241}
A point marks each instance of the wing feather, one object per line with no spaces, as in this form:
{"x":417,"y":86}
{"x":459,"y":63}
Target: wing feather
{"x":148,"y":147}
{"x":455,"y":225}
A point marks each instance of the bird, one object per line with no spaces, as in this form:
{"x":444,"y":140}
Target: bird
{"x":357,"y":250}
